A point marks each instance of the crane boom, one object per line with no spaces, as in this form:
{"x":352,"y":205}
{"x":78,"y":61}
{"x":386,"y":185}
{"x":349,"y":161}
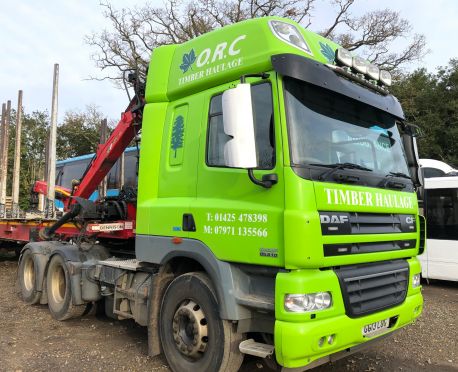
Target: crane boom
{"x":109,"y":152}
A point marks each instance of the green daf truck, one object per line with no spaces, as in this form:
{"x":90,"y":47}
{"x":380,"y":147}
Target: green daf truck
{"x":276,"y":212}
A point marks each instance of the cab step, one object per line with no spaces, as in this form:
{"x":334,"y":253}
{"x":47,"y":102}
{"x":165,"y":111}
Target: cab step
{"x":257,"y":349}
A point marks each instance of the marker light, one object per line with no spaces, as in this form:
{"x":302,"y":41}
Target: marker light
{"x":373,"y":71}
{"x":385,"y":78}
{"x":344,"y":57}
{"x":415,"y":280}
{"x":360,"y":65}
{"x":302,"y":303}
{"x":289,"y":34}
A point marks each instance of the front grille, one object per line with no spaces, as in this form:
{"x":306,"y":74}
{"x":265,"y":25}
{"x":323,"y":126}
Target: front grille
{"x":343,"y":223}
{"x":369,"y":288}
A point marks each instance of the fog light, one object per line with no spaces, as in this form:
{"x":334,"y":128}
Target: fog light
{"x":321,"y":341}
{"x":415,"y":280}
{"x":302,"y":303}
{"x":331,"y":339}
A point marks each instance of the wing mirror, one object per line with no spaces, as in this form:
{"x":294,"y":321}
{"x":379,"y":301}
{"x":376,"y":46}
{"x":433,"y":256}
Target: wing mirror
{"x":240,"y":150}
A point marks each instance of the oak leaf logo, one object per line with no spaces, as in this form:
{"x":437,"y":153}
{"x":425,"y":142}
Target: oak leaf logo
{"x":188,"y":60}
{"x":327,"y":52}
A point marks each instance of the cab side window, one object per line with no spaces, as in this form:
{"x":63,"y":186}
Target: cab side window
{"x":264,"y":128}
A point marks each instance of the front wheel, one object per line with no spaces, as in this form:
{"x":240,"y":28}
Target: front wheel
{"x":193,"y":336}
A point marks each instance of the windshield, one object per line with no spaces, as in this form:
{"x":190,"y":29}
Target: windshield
{"x":326,"y":128}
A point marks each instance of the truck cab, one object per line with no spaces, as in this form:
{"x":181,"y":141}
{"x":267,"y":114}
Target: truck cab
{"x":312,"y":240}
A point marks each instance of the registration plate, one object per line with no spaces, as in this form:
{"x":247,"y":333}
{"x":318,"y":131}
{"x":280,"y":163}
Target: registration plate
{"x":375,"y":328}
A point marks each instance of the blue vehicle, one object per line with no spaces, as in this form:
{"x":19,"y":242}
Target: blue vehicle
{"x":73,"y":169}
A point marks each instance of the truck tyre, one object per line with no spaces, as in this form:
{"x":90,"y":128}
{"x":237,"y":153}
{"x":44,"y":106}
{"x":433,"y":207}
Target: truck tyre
{"x":27,"y":278}
{"x":193,"y":336}
{"x":59,"y":290}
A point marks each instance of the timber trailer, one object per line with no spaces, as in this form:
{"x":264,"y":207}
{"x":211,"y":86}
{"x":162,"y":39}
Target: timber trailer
{"x":276,"y":212}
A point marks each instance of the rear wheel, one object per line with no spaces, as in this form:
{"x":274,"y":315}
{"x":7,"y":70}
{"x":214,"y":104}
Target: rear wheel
{"x":193,"y":336}
{"x":59,"y":290}
{"x":27,"y":278}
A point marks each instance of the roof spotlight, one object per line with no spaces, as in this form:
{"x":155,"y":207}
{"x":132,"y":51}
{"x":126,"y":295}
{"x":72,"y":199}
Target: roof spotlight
{"x":360,"y":65}
{"x":344,"y":57}
{"x":373,"y":71}
{"x":385,"y":78}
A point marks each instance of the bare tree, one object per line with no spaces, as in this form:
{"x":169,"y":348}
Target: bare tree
{"x":137,"y":31}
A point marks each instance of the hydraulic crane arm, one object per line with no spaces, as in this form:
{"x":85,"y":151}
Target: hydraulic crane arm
{"x":106,"y":156}
{"x":109,"y":152}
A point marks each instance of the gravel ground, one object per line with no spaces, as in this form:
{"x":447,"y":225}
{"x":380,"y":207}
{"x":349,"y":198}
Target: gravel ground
{"x":30,"y":340}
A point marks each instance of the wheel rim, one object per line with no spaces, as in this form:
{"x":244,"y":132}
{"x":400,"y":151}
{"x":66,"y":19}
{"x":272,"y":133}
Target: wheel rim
{"x":190,"y":330}
{"x":29,"y":274}
{"x":58,"y":284}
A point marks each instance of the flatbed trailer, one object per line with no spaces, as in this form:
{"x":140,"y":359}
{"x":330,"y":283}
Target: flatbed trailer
{"x":276,"y":212}
{"x":23,"y":231}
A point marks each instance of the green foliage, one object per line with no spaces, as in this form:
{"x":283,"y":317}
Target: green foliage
{"x":33,"y":144}
{"x":79,"y":133}
{"x":431,"y":102}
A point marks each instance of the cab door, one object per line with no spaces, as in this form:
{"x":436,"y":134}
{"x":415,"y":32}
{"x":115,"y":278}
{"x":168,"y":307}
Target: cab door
{"x":238,"y":220}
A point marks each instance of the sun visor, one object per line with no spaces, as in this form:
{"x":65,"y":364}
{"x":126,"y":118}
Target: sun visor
{"x":318,"y":74}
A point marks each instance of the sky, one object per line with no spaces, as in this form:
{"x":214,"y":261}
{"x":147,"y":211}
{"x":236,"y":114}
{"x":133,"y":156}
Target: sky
{"x":36,"y":34}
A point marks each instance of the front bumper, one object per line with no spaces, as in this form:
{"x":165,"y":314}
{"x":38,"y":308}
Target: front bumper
{"x":297,"y":336}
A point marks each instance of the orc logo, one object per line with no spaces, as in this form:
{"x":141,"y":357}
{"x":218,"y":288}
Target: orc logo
{"x":211,"y":55}
{"x":410,"y":220}
{"x":332,"y":218}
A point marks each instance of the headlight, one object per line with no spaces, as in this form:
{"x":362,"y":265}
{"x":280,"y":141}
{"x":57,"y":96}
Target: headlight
{"x":415,"y":280}
{"x":290,"y":34}
{"x":302,"y":303}
{"x":385,"y":78}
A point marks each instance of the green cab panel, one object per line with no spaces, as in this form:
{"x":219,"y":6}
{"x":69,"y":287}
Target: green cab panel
{"x":224,"y":55}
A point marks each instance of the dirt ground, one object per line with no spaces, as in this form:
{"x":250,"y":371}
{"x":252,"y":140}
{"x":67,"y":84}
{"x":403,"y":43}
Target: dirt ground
{"x":30,"y":340}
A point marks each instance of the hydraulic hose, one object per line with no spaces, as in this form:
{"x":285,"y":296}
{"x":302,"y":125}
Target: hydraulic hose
{"x":48,"y":232}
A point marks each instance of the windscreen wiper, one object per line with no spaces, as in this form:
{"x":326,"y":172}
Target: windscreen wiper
{"x":398,"y":174}
{"x":338,"y":166}
{"x":393,"y":184}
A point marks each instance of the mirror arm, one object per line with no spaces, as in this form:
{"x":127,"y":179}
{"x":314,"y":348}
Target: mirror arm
{"x":267,"y":181}
{"x":262,"y":75}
